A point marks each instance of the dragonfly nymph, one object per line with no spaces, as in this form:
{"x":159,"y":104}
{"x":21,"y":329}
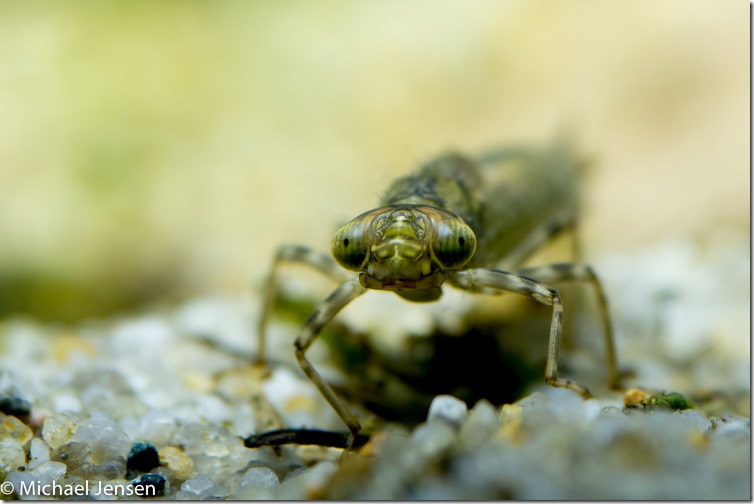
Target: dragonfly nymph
{"x":470,"y":222}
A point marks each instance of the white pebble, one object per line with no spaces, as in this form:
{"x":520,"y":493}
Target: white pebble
{"x":67,"y":404}
{"x":103,"y":435}
{"x":259,"y":477}
{"x":448,"y":409}
{"x":58,"y":430}
{"x":303,"y":481}
{"x":49,"y":471}
{"x":535,"y":402}
{"x":11,"y":454}
{"x":481,"y":424}
{"x":591,"y":409}
{"x":202,"y":487}
{"x":694,"y":419}
{"x":431,"y":439}
{"x":39,"y":453}
{"x":212,"y":408}
{"x":21,"y":480}
{"x":156,"y":427}
{"x":733,"y":429}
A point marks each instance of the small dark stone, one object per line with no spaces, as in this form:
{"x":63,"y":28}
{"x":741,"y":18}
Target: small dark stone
{"x":142,"y":458}
{"x":13,"y":405}
{"x":150,"y":485}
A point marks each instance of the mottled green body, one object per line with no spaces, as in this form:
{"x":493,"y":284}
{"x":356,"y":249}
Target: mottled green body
{"x":469,"y":222}
{"x":502,"y":195}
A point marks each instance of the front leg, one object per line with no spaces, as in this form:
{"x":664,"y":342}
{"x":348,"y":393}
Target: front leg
{"x":324,"y":313}
{"x":475,"y":279}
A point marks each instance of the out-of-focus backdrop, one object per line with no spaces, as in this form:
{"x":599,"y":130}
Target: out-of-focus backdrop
{"x":154,"y":150}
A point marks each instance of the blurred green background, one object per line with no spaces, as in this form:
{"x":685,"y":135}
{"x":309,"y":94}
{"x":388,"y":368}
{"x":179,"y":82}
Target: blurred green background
{"x":152,"y":150}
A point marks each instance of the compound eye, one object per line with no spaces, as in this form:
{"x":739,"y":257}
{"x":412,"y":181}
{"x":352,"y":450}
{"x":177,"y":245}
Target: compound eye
{"x":349,"y":245}
{"x":454,"y":243}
